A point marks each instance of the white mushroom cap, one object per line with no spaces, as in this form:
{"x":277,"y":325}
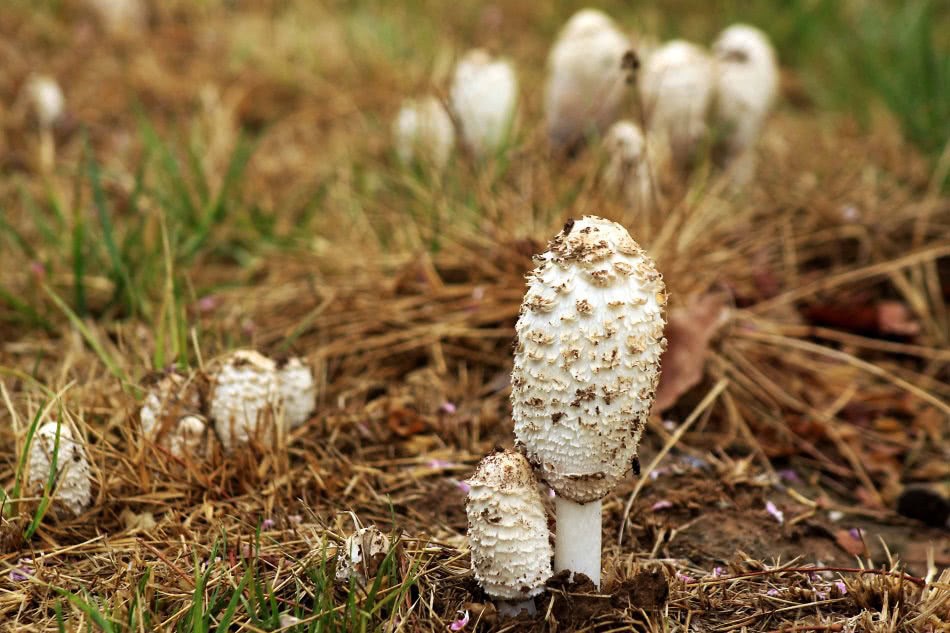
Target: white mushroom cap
{"x":676,"y":88}
{"x":170,"y":415}
{"x":590,"y":336}
{"x":629,"y":163}
{"x":47,"y":99}
{"x":244,"y":395}
{"x":72,"y":488}
{"x":423,"y":130}
{"x":586,"y":81}
{"x":361,"y":555}
{"x":508,"y":528}
{"x":484,"y":95}
{"x":746,"y":84}
{"x":298,"y":392}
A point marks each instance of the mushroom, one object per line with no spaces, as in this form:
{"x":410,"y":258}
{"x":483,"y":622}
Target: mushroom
{"x":483,"y":97}
{"x":49,"y":104}
{"x":629,"y":164}
{"x":244,"y":396}
{"x":676,"y":87}
{"x":586,"y":368}
{"x":423,"y":131}
{"x":586,"y":79}
{"x":361,"y":555}
{"x":746,"y":87}
{"x":298,"y":393}
{"x":508,"y":528}
{"x":171,"y":416}
{"x":72,"y":484}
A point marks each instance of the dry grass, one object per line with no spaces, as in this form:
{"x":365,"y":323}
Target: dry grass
{"x":402,"y":288}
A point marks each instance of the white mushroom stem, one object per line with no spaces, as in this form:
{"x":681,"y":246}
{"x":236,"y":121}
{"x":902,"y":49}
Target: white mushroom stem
{"x":577,"y":538}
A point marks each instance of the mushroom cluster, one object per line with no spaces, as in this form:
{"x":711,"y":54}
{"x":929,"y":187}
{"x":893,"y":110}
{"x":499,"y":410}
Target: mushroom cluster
{"x":586,"y":368}
{"x":245,"y":396}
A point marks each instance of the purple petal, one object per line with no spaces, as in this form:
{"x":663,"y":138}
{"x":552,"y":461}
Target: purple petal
{"x":772,"y":509}
{"x":772,"y":592}
{"x":447,"y":407}
{"x":789,"y":475}
{"x":267,"y":524}
{"x":459,"y":624}
{"x":463,"y":486}
{"x":842,"y":588}
{"x":19,"y":574}
{"x":661,"y":505}
{"x":439,"y":464}
{"x":856,"y":533}
{"x":718,"y":571}
{"x":683,"y":577}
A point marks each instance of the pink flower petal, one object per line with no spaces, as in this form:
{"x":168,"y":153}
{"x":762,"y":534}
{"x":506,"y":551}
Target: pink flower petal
{"x":463,"y":486}
{"x":447,"y":407}
{"x":772,"y":509}
{"x":842,"y":588}
{"x":683,"y":577}
{"x":459,"y":624}
{"x":267,"y":524}
{"x":661,"y":505}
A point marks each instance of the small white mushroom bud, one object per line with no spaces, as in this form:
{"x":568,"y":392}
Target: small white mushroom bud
{"x":72,"y":485}
{"x":244,"y":397}
{"x":483,"y":96}
{"x":170,"y":416}
{"x":361,"y":555}
{"x":629,"y":165}
{"x":298,"y":393}
{"x":508,"y":528}
{"x":47,"y":100}
{"x":586,"y":368}
{"x":746,"y":87}
{"x":423,"y":131}
{"x":586,"y":80}
{"x":676,"y":88}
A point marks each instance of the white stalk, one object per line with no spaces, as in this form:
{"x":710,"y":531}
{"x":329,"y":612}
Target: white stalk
{"x":577,"y":538}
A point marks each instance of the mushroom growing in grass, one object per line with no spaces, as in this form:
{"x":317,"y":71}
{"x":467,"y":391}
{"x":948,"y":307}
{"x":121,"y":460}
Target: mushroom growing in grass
{"x":483,"y":97}
{"x":508,"y":530}
{"x":423,"y":131}
{"x":171,"y":416}
{"x":746,"y":87}
{"x":361,"y":555}
{"x":49,"y":105}
{"x":676,"y":88}
{"x":586,"y":80}
{"x":71,"y":488}
{"x":629,"y":165}
{"x":245,"y":392}
{"x":586,"y":368}
{"x":298,"y":392}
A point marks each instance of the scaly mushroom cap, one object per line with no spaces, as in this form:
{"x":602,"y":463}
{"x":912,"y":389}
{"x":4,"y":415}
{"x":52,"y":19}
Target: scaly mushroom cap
{"x":676,"y":88}
{"x":170,"y":415}
{"x":587,"y":359}
{"x":298,"y":393}
{"x":423,"y":130}
{"x":508,"y":528}
{"x":586,"y":80}
{"x":629,"y":167}
{"x":361,"y":555}
{"x":244,"y":394}
{"x":484,"y":95}
{"x":746,"y":83}
{"x":72,"y":488}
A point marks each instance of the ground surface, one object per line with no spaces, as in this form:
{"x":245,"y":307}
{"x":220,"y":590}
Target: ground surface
{"x":223,"y":178}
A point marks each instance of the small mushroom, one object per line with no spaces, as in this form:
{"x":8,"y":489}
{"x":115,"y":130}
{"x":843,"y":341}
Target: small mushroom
{"x":483,"y":97}
{"x":171,"y":416}
{"x":508,"y":528}
{"x":244,"y":396}
{"x":298,"y":393}
{"x":746,"y":87}
{"x":629,"y":165}
{"x":361,"y":555}
{"x":423,"y":131}
{"x":48,"y":103}
{"x":72,"y":484}
{"x":586,"y":368}
{"x":676,"y":88}
{"x":586,"y":80}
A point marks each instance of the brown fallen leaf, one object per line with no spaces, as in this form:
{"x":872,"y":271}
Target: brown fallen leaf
{"x":851,"y":542}
{"x":688,"y":333}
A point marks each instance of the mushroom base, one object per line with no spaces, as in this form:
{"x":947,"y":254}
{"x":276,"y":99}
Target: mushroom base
{"x":577,"y":538}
